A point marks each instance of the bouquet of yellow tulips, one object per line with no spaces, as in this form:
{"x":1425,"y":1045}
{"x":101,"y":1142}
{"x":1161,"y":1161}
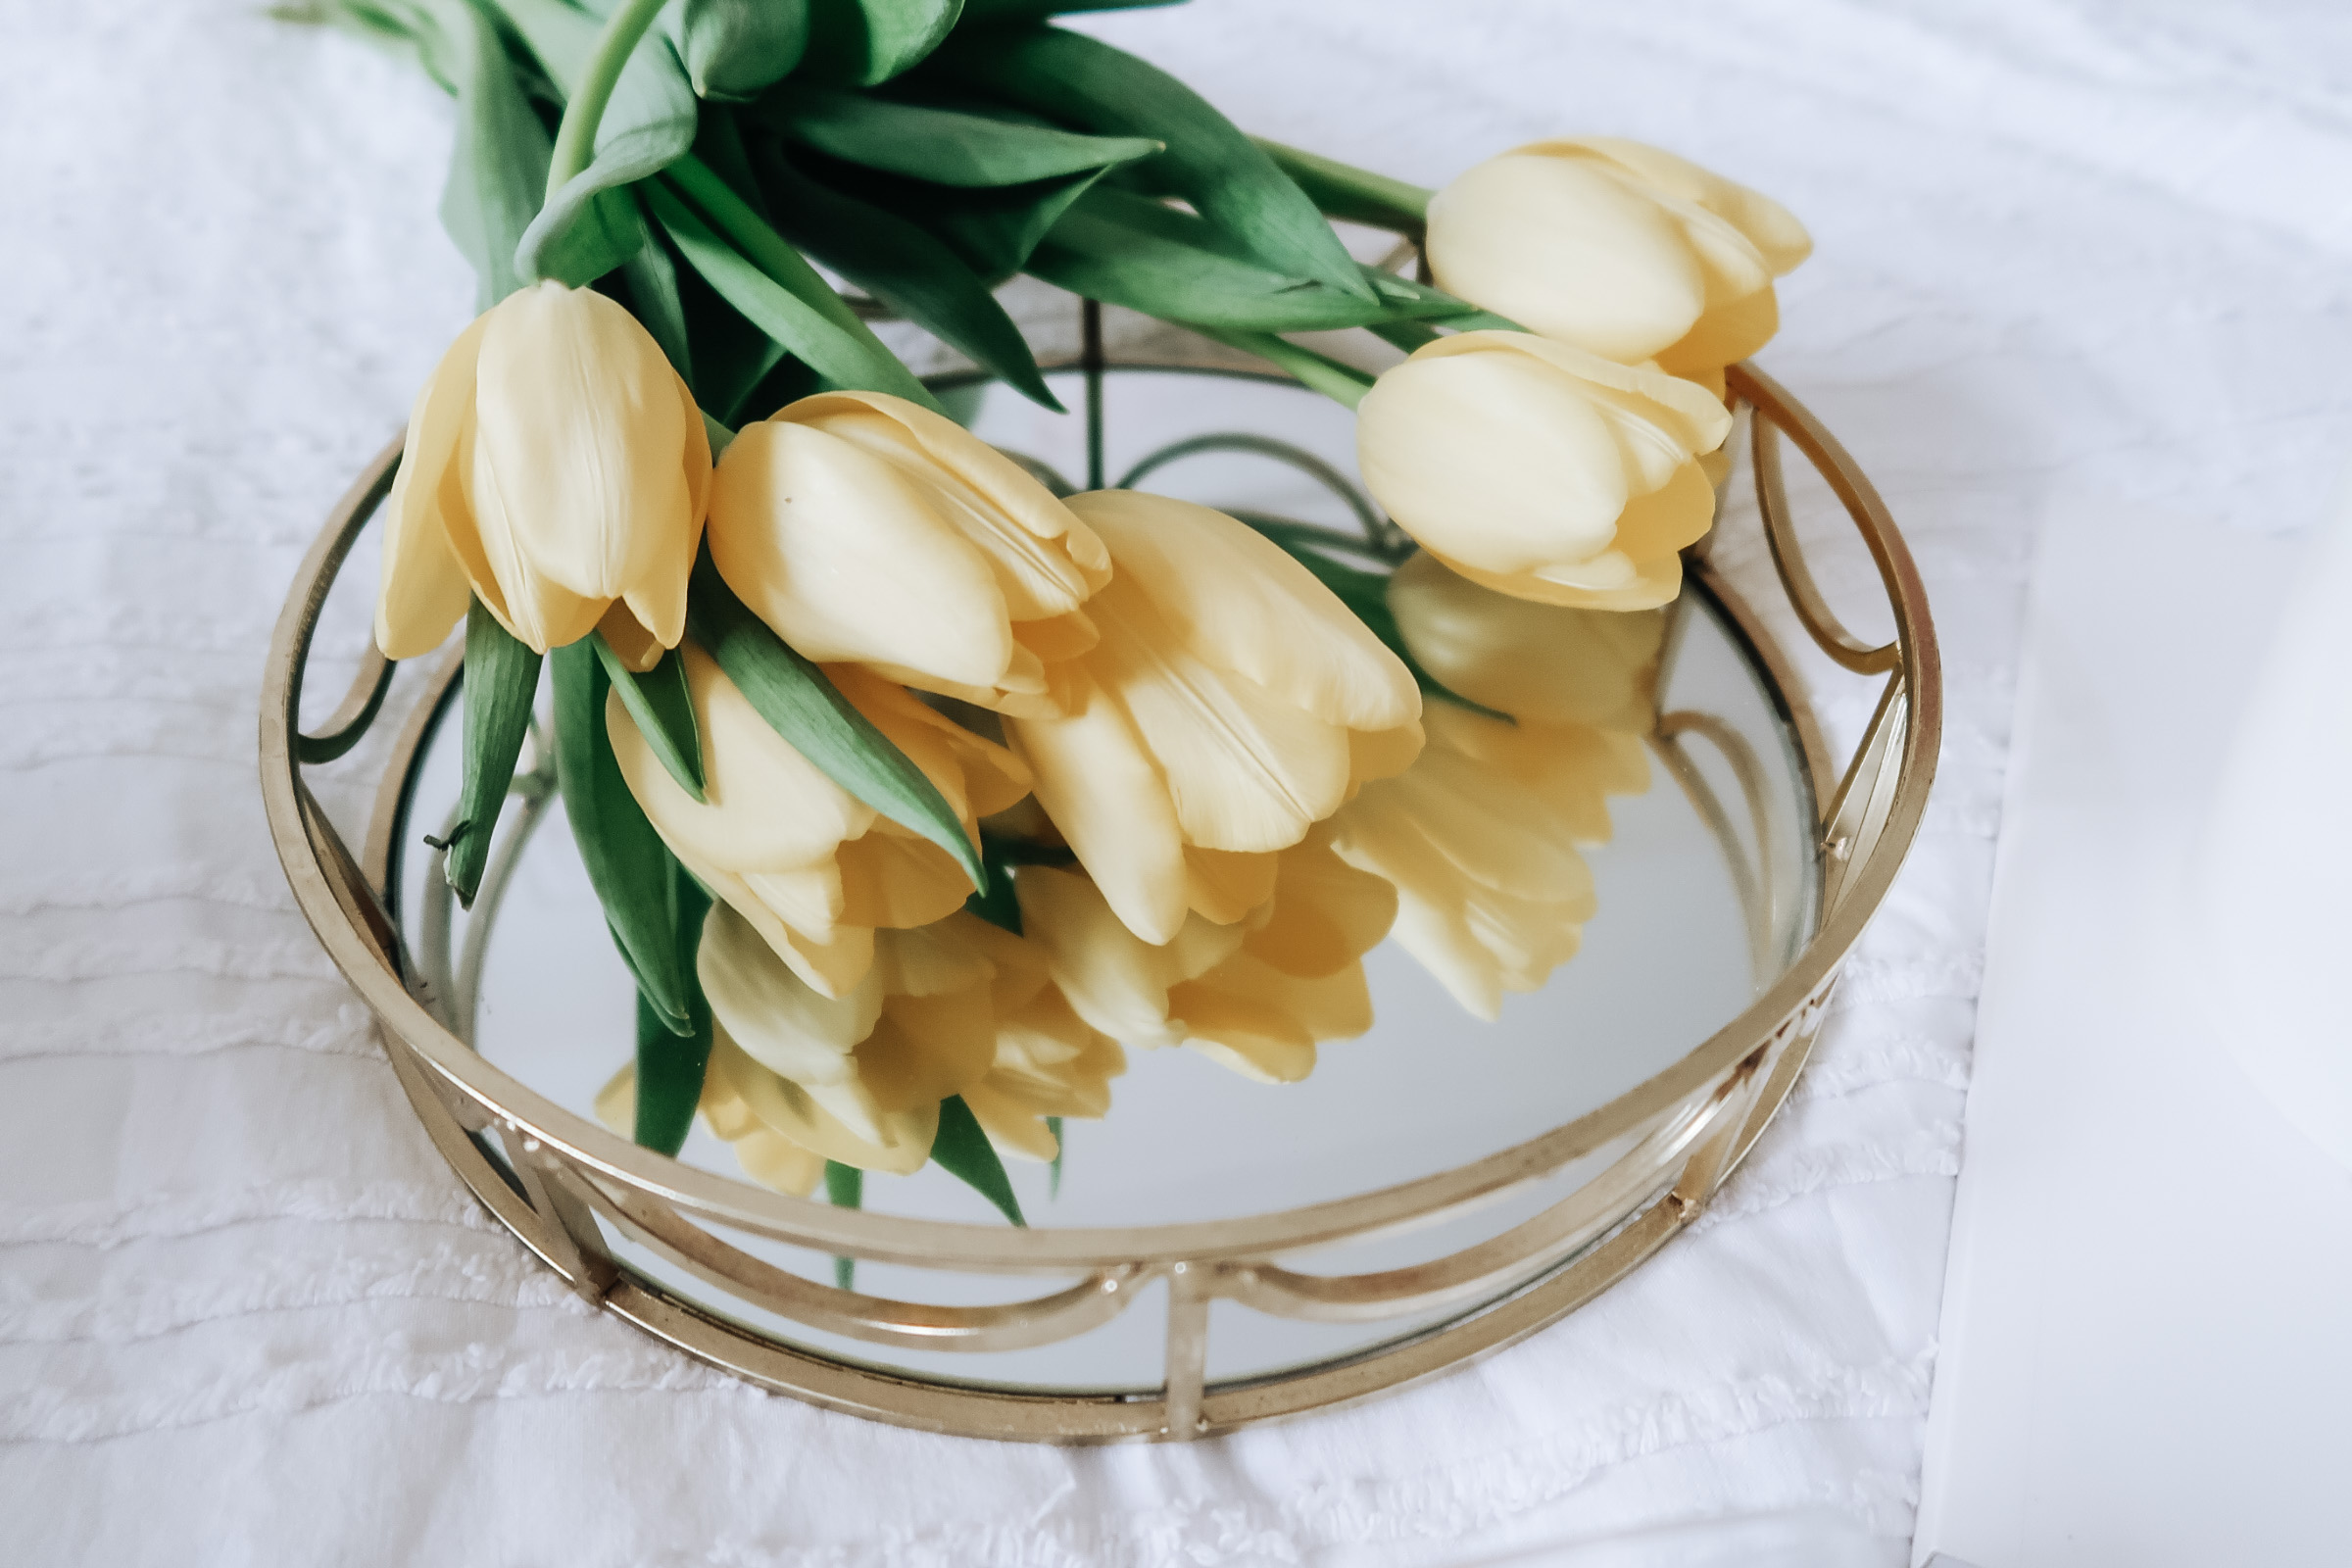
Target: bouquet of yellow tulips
{"x":911,"y":789}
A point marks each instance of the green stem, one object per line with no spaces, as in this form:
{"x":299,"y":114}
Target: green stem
{"x":575,"y":136}
{"x":1342,"y":383}
{"x":1342,"y":190}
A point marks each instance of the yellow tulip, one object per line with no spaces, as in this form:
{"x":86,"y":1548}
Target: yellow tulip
{"x":856,"y":1078}
{"x":959,"y":1008}
{"x":1620,"y":248}
{"x":1541,"y":663}
{"x":1231,"y":703}
{"x":865,"y":530}
{"x":813,"y":869}
{"x":1049,"y":1061}
{"x":1542,"y":470}
{"x":1482,"y":836}
{"x":1481,"y":839}
{"x":557,"y":468}
{"x":1258,"y":995}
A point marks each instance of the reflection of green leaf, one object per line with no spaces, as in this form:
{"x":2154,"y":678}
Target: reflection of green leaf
{"x":632,"y":870}
{"x":1078,"y":81}
{"x":844,"y":1188}
{"x":861,"y":42}
{"x":671,"y":1065}
{"x":797,"y":700}
{"x":963,"y":1151}
{"x":663,"y":710}
{"x":1366,"y":595}
{"x":1054,"y":1180}
{"x":901,"y":264}
{"x":940,"y":145}
{"x":502,"y":679}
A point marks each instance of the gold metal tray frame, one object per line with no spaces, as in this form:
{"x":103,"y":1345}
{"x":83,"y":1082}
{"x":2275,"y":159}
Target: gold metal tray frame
{"x":562,"y":1174}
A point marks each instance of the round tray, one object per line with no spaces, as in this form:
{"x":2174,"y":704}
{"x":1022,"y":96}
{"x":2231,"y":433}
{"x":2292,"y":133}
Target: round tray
{"x":1441,"y":1266}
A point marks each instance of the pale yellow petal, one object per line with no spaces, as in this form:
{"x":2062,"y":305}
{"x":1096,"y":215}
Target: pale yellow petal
{"x":899,"y":1142}
{"x":775,"y":1016}
{"x":1106,"y":793}
{"x":851,"y":560}
{"x":1531,"y":660}
{"x":1244,"y":768}
{"x":1046,"y":562}
{"x":1564,"y":247}
{"x":580,"y":428}
{"x":1235,"y":599}
{"x":1117,"y":982}
{"x":424,"y":591}
{"x":767,"y":807}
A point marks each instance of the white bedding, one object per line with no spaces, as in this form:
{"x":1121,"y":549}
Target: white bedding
{"x":246,"y":1315}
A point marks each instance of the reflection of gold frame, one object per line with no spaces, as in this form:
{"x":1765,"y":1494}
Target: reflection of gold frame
{"x":563,"y":1178}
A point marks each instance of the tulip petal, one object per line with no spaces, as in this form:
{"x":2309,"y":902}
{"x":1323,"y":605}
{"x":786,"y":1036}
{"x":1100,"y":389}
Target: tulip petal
{"x":1531,"y":660}
{"x":1102,"y":789}
{"x":1565,"y":249}
{"x":898,"y":1142}
{"x":850,"y":560}
{"x":1768,"y":225}
{"x":581,"y":426}
{"x":773,"y":1014}
{"x":1230,"y":594}
{"x":1046,"y":563}
{"x":1117,"y":982}
{"x":1326,"y":915}
{"x":424,"y":590}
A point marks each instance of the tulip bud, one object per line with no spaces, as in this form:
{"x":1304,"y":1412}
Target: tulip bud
{"x":1542,"y":470}
{"x":557,"y":468}
{"x":865,"y":530}
{"x":813,"y":869}
{"x":1231,"y":703}
{"x":1618,"y":248}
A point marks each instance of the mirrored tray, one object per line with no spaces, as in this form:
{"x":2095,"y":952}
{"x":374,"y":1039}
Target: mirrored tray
{"x":1215,"y":1251}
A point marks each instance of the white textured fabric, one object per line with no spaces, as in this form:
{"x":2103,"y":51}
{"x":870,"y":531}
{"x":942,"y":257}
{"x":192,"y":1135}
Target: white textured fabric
{"x":245,"y":1313}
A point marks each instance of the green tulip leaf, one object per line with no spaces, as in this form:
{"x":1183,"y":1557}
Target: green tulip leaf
{"x":590,"y":227}
{"x":804,"y":707}
{"x":844,"y":1188}
{"x":753,"y":268}
{"x":655,"y":301}
{"x":1053,"y":1171}
{"x":671,"y":1065}
{"x":734,"y":49}
{"x":942,"y":146}
{"x":963,"y":1151}
{"x":1124,"y":249}
{"x":861,"y":42}
{"x":663,"y":710}
{"x":909,"y":270}
{"x":497,"y":167}
{"x":635,"y":876}
{"x":1229,"y":180}
{"x":501,"y":681}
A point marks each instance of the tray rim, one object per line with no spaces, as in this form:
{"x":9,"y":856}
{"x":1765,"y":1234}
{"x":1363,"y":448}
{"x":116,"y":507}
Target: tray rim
{"x":552,"y":1151}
